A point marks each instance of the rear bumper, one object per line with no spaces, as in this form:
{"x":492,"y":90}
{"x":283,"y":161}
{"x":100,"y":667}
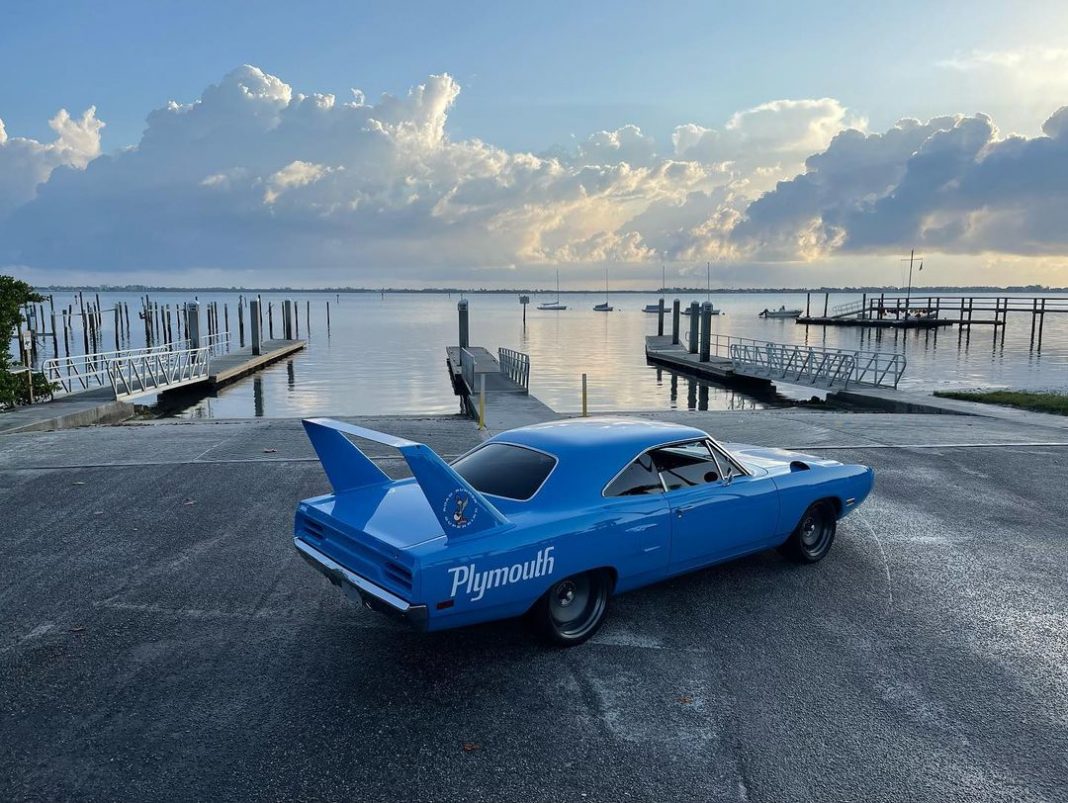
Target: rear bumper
{"x":371,"y":595}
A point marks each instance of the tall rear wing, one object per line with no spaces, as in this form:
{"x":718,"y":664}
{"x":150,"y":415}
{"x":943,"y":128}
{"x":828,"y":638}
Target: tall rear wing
{"x":460,"y":509}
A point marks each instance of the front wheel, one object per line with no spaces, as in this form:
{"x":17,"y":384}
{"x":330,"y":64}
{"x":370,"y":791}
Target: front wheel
{"x":812,"y":538}
{"x":573,"y":609}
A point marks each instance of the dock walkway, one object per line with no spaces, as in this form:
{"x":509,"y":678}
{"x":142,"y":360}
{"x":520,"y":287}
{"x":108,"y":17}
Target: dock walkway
{"x":508,"y":403}
{"x":100,"y":405}
{"x":660,"y":350}
{"x":242,"y":362}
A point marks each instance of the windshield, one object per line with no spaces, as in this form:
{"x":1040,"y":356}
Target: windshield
{"x":501,"y":469}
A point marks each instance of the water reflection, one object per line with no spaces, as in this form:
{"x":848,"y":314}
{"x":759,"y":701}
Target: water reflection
{"x":377,"y":353}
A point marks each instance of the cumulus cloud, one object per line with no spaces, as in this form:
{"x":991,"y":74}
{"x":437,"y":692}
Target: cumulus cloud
{"x":26,"y":163}
{"x":952,"y":184}
{"x":768,"y":141}
{"x":256,"y":175}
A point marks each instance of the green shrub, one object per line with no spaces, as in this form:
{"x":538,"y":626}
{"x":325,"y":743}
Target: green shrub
{"x":14,"y":388}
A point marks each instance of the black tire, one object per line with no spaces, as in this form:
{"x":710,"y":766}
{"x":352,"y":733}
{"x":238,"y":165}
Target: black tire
{"x":573,"y":609}
{"x":812,"y":537}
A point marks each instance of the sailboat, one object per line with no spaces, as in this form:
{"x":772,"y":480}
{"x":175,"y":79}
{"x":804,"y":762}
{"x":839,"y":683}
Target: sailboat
{"x":550,"y":305}
{"x":708,"y":292}
{"x":655,"y":308}
{"x":605,"y":307}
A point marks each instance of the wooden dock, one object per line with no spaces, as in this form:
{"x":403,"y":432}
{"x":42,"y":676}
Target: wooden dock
{"x":915,"y":311}
{"x":230,"y":367}
{"x":877,"y":323}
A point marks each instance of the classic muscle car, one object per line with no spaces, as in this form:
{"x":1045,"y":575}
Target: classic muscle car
{"x":551,"y":520}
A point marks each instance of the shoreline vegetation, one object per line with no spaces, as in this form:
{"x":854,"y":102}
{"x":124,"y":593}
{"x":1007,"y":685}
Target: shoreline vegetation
{"x":1035,"y":401}
{"x":918,"y":292}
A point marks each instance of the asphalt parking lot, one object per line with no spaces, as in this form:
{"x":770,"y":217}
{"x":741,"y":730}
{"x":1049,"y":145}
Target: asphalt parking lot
{"x":160,"y":639}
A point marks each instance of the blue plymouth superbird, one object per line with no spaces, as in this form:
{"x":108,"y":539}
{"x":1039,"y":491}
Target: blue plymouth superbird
{"x":551,"y":520}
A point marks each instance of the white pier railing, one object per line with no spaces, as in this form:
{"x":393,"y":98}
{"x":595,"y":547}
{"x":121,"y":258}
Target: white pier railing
{"x":152,"y":373}
{"x":137,"y":371}
{"x":820,"y":367}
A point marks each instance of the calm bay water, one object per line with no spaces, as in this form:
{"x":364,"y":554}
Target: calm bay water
{"x":386,"y":354}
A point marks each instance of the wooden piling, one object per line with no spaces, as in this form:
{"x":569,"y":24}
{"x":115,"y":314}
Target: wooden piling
{"x":1041,"y":320}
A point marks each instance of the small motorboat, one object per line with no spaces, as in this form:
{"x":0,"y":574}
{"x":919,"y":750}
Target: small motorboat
{"x":654,"y":308}
{"x":781,"y":312}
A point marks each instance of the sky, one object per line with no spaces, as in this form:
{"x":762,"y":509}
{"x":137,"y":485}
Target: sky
{"x":491,"y":144}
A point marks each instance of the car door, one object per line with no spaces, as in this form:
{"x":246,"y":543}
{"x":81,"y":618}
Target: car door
{"x":642,"y":518}
{"x":718,"y":510}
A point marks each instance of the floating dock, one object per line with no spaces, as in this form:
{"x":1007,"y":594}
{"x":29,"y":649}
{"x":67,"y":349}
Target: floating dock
{"x":660,"y":350}
{"x":242,"y":362}
{"x":503,"y":379}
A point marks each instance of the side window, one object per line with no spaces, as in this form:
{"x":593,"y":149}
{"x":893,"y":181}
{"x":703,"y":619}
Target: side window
{"x":725,"y":461}
{"x":639,"y":478}
{"x":686,"y":465}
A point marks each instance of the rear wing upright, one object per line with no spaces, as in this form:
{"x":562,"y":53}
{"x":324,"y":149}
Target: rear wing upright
{"x":459,"y":508}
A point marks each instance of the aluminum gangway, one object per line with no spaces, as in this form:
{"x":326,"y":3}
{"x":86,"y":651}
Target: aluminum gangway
{"x":130,"y":373}
{"x":832,"y":369}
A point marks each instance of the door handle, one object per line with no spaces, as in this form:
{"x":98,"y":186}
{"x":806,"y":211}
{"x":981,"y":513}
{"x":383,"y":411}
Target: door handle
{"x":682,"y":509}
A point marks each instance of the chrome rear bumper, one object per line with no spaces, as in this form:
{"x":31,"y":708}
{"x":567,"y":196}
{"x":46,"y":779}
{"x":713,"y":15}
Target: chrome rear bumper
{"x":372,"y":596}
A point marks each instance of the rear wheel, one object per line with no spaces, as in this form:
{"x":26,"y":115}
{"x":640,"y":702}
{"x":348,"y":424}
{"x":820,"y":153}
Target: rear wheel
{"x":573,"y":609}
{"x":812,"y":538}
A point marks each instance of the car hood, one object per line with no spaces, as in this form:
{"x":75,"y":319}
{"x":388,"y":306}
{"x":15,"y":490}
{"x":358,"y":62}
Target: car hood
{"x":773,"y":461}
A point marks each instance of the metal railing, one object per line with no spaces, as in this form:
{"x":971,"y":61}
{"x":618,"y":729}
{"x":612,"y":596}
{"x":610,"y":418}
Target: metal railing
{"x":515,"y":365}
{"x":472,"y":364}
{"x":150,"y":373}
{"x":217,"y":343}
{"x":809,"y":365}
{"x":797,"y":364}
{"x":849,"y":308}
{"x":88,"y":371}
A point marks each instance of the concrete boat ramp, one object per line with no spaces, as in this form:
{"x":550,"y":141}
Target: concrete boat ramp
{"x":160,"y":639}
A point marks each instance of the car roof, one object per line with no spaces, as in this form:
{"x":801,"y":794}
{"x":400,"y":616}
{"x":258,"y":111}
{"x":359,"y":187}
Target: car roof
{"x":591,"y":451}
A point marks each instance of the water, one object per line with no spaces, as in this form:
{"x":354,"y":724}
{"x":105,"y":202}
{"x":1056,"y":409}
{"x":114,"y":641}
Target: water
{"x":386,"y":355}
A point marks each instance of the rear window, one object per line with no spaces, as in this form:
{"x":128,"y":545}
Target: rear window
{"x":501,"y":469}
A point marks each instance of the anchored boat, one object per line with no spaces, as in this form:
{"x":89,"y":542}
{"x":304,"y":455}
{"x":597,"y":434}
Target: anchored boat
{"x":781,"y":312}
{"x":554,"y":305}
{"x":605,"y":307}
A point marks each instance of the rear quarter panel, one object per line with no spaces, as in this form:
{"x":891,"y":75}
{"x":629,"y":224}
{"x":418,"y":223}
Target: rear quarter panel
{"x":498,"y":575}
{"x":846,"y":485}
